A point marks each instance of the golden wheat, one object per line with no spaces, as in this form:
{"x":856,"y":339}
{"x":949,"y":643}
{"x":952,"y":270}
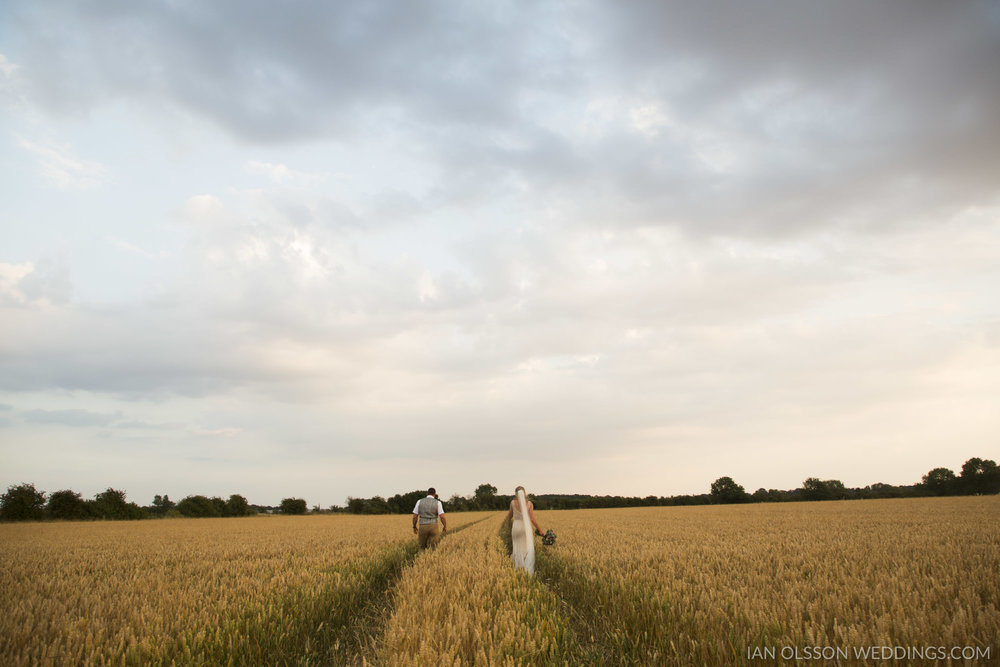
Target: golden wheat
{"x":694,"y":585}
{"x":464,"y":604}
{"x":194,"y":590}
{"x":711,"y":584}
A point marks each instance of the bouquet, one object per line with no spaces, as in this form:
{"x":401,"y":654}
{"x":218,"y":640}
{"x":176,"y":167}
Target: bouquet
{"x":549,"y":538}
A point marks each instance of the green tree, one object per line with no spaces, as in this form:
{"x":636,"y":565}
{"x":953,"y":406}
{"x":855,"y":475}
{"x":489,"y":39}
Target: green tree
{"x":882,"y":490}
{"x":219,"y":504}
{"x":830,"y":489}
{"x":373,"y":505}
{"x":22,"y":503}
{"x":403,"y":504}
{"x":199,"y":506}
{"x":237,"y":505}
{"x":161,"y":505}
{"x":485,"y":490}
{"x":456,"y":503}
{"x":979,"y":476}
{"x":294,"y":506}
{"x":485,"y":497}
{"x":355,"y":505}
{"x":939,"y":482}
{"x":66,"y":504}
{"x":725,"y":490}
{"x":111,"y":504}
{"x":763,"y":495}
{"x":813,"y":489}
{"x":377,"y":505}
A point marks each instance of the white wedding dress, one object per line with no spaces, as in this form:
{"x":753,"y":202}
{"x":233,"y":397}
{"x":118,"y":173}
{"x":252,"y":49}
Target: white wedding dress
{"x":521,"y":536}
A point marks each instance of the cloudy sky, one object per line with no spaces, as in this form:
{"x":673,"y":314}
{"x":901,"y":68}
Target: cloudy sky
{"x":332,"y":249}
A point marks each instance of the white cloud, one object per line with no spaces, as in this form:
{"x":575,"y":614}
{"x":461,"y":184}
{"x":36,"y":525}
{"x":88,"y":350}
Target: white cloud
{"x":650,"y":119}
{"x":285,"y":176}
{"x":10,"y":276}
{"x":278,"y":173}
{"x":426,"y":290}
{"x":61,"y":166}
{"x":7,"y":68}
{"x":133,"y":249}
{"x":10,"y":83}
{"x":39,"y":284}
{"x":201,"y":209}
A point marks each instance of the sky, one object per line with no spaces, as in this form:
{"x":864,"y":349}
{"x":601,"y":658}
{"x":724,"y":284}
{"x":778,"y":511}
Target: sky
{"x":323,"y":250}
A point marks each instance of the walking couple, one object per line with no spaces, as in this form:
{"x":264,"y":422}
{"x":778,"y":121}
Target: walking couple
{"x":429,"y":509}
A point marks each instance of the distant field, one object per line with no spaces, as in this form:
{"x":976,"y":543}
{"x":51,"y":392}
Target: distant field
{"x":678,"y":585}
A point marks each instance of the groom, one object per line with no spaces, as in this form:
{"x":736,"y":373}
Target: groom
{"x":427,"y":511}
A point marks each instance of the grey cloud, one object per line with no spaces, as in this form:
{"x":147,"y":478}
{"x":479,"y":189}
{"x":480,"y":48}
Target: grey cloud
{"x":70,"y":417}
{"x":268,"y":73}
{"x":899,"y":52}
{"x":130,"y":371}
{"x":898,"y":90}
{"x":890,"y":118}
{"x":830,"y":108}
{"x":149,"y":426}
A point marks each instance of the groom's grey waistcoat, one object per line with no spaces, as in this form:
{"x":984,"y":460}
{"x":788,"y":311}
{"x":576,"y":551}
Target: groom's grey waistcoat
{"x":427,"y":508}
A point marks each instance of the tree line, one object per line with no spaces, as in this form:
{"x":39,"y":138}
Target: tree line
{"x":978,"y":477}
{"x":24,"y":502}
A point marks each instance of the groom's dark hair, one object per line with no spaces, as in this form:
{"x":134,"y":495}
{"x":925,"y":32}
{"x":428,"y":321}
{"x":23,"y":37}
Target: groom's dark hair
{"x":431,"y":491}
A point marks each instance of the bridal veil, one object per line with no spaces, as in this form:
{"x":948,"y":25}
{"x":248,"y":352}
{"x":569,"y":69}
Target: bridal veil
{"x":522,"y":541}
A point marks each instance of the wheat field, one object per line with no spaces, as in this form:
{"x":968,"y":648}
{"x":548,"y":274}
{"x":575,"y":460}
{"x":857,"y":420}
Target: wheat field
{"x":199,"y":591}
{"x":675,"y":586}
{"x":465,"y":604}
{"x":708,"y":585}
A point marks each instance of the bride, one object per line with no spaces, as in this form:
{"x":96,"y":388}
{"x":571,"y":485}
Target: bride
{"x":522,"y":511}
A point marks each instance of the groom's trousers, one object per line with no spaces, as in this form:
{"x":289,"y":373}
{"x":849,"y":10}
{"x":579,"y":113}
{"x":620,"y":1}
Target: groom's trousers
{"x":428,"y":534}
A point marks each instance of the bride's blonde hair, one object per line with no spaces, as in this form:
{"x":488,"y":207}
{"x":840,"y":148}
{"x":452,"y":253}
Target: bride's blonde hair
{"x":521,"y":488}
